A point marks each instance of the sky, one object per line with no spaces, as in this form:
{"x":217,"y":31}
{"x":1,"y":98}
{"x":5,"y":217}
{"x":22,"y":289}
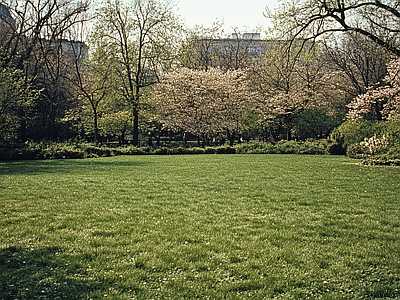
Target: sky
{"x":243,"y":14}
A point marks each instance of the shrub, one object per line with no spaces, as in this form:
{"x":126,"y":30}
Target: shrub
{"x":249,"y":148}
{"x":195,"y":150}
{"x":374,"y":144}
{"x":225,"y":150}
{"x":287,"y":147}
{"x":161,"y":151}
{"x":335,"y":149}
{"x":352,"y":132}
{"x":210,"y":150}
{"x":88,"y":150}
{"x":356,"y":151}
{"x":381,"y":162}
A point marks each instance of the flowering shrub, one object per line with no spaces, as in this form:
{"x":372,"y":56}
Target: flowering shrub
{"x":381,"y":162}
{"x":373,"y":144}
{"x":373,"y":147}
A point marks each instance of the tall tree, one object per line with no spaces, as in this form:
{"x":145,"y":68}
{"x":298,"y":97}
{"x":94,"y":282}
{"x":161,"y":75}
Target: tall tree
{"x":35,"y":44}
{"x":37,"y":26}
{"x":289,"y":84}
{"x":16,"y":99}
{"x":357,"y":60}
{"x":310,"y":19}
{"x":141,"y":40}
{"x":92,"y":79}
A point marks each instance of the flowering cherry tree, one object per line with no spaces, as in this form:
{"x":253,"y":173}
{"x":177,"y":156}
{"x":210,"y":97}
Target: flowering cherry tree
{"x":202,"y":102}
{"x":381,"y":102}
{"x":289,"y":84}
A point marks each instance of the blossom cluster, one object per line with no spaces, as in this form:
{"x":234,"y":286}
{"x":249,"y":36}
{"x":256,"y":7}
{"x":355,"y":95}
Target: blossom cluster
{"x":201,"y":102}
{"x":373,"y":144}
{"x":382,"y":100}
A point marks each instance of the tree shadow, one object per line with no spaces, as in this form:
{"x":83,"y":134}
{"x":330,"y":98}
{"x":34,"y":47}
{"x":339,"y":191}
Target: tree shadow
{"x":65,"y":166}
{"x":47,"y":274}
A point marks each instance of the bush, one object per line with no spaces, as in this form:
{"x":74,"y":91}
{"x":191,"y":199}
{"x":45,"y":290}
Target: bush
{"x":225,"y":150}
{"x":210,"y":150}
{"x":356,"y":151}
{"x":381,"y":162}
{"x":195,"y":150}
{"x":352,"y":132}
{"x":362,"y":139}
{"x":88,"y":150}
{"x":315,"y":123}
{"x":287,"y":147}
{"x":161,"y":151}
{"x":335,"y":149}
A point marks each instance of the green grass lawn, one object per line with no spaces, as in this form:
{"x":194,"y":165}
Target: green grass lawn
{"x":201,"y":226}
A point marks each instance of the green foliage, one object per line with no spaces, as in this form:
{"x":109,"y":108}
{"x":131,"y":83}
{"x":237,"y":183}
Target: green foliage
{"x":30,"y":150}
{"x":315,"y":123}
{"x":388,"y":157}
{"x":84,"y":150}
{"x":16,"y":100}
{"x":391,"y":128}
{"x":356,"y":151}
{"x":282,"y":147}
{"x":199,"y":227}
{"x":351,"y":132}
{"x":381,"y":162}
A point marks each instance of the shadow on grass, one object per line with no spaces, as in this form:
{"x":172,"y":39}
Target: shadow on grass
{"x":47,"y":274}
{"x":76,"y":166}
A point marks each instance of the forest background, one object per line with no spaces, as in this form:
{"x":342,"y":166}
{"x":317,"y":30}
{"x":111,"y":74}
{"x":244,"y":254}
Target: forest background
{"x":130,"y":73}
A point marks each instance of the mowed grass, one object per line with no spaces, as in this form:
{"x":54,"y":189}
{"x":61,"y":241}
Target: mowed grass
{"x":199,"y":227}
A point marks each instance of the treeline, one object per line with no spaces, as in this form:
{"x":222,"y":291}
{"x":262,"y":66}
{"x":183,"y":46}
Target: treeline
{"x":131,"y":73}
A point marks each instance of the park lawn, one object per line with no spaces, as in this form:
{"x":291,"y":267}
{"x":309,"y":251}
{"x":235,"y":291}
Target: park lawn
{"x":199,"y":226}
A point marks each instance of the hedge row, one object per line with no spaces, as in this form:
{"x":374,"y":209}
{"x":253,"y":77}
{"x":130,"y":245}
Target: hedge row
{"x":75,"y":150}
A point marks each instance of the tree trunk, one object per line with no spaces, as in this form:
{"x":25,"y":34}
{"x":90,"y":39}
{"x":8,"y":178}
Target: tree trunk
{"x":96,"y":129}
{"x":288,"y":133}
{"x":231,"y":138}
{"x":184,"y":138}
{"x":135,"y":132}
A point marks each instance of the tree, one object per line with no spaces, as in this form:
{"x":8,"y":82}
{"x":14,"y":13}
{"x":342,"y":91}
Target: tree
{"x":310,"y":19}
{"x":202,"y":102}
{"x":53,"y":68}
{"x":315,"y":123}
{"x":36,"y":25}
{"x":358,"y":61}
{"x":92,"y":80}
{"x":140,"y":40}
{"x":197,"y":50}
{"x":116,"y":124}
{"x":16,"y":99}
{"x":289,"y":84}
{"x":35,"y":44}
{"x":382,"y":101}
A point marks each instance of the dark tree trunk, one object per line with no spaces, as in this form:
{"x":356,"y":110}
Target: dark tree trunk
{"x":135,"y":132}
